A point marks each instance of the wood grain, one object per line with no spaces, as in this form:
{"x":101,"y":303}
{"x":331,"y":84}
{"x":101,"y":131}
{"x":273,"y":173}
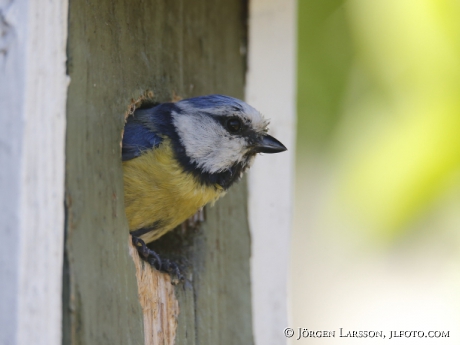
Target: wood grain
{"x":159,"y":304}
{"x":33,"y":91}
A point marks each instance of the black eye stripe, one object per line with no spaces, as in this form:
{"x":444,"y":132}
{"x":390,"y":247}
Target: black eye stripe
{"x":226,"y":121}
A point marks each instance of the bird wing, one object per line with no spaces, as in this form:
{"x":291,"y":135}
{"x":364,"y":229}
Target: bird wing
{"x":137,"y":138}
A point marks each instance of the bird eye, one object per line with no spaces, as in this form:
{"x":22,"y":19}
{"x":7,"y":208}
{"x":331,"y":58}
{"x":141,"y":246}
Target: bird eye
{"x":233,"y":125}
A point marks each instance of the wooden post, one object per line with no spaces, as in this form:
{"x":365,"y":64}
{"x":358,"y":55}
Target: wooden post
{"x":270,"y":88}
{"x":33,"y":89}
{"x":118,"y":49}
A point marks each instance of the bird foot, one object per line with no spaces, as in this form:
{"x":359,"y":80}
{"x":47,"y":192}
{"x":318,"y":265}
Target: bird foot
{"x":165,"y":265}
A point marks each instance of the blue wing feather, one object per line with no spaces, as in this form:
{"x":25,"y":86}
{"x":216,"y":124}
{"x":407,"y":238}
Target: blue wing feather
{"x":137,"y":138}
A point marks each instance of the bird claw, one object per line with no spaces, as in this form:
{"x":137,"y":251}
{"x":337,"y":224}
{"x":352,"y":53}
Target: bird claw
{"x":146,"y":253}
{"x":155,"y":261}
{"x":173,"y":269}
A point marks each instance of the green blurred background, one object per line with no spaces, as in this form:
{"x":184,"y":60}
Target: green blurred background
{"x":377,"y":220}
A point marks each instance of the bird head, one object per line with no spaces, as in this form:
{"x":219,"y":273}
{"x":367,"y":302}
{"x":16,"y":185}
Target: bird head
{"x":221,"y":134}
{"x":213,"y":137}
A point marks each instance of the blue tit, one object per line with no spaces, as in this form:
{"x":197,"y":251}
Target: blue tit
{"x":178,"y":157}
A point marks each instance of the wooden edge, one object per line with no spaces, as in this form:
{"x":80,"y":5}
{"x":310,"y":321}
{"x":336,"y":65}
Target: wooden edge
{"x":158,"y":301}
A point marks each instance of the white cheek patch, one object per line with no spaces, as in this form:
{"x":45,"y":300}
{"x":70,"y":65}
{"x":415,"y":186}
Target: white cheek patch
{"x":207,"y":143}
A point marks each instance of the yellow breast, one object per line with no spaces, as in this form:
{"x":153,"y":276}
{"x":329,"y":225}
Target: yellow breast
{"x":158,"y":193}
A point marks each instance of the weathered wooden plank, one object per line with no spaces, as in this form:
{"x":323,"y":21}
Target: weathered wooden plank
{"x":271,"y":88}
{"x":117,"y":50}
{"x":33,"y":90}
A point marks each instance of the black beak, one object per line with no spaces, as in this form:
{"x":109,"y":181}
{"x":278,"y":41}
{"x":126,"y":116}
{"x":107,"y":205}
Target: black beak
{"x":268,"y":144}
